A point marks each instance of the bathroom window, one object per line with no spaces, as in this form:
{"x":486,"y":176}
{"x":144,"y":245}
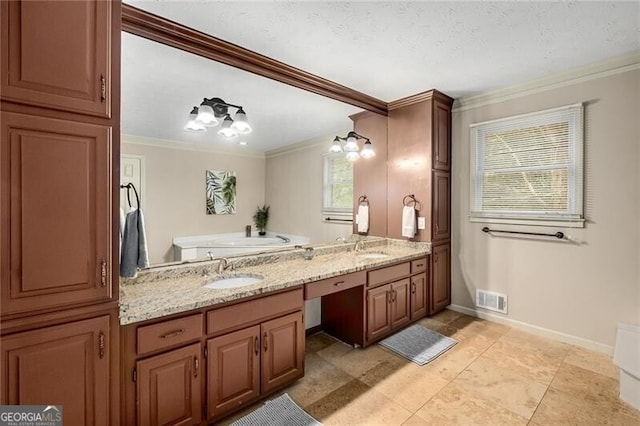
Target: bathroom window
{"x":527,"y":169}
{"x":338,"y":186}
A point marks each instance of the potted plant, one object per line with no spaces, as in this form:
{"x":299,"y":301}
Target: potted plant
{"x":260,"y":218}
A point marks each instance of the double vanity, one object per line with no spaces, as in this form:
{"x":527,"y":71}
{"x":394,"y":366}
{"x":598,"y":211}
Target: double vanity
{"x":189,"y":343}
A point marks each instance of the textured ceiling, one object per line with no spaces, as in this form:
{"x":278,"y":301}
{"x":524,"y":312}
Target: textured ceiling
{"x":389,"y":49}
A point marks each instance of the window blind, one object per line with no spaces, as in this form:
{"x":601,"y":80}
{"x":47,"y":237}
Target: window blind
{"x":529,"y":166}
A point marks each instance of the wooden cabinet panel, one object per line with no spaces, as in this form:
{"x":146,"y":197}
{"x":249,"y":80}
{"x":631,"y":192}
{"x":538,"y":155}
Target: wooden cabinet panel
{"x":48,"y":62}
{"x":441,"y":136}
{"x":283,"y":356}
{"x":64,"y":365}
{"x":55,"y":229}
{"x":441,"y":218}
{"x":400,"y":303}
{"x":233,"y":370}
{"x":390,"y":273}
{"x":378,"y":312}
{"x":440,"y":292}
{"x":168,"y":333}
{"x":333,"y":285}
{"x":418,"y":296}
{"x":419,"y":265}
{"x":169,"y":388}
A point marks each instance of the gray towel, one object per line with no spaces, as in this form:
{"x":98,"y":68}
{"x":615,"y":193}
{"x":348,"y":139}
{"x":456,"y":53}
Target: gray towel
{"x":134,"y":245}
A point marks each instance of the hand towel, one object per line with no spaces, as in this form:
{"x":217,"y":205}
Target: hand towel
{"x":121,"y":228}
{"x":134,"y":253}
{"x":363,"y":219}
{"x":409,"y":222}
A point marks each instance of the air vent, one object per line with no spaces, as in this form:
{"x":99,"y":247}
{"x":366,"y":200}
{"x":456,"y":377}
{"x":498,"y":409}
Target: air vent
{"x":491,"y":300}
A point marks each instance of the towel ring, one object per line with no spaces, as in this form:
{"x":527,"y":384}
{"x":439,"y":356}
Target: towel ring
{"x":363,"y":200}
{"x":130,"y":186}
{"x":411,"y":201}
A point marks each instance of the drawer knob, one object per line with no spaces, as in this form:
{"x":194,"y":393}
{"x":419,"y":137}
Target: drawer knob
{"x":173,"y":333}
{"x":339,"y":283}
{"x":419,"y":265}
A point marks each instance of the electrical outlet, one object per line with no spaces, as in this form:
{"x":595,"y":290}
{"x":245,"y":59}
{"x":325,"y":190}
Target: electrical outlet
{"x":422,"y":223}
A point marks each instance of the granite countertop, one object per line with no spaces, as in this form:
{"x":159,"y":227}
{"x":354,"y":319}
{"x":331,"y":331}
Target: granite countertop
{"x":159,"y":292}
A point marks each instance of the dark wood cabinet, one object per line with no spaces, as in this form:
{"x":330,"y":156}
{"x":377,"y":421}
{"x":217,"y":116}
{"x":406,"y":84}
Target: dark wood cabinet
{"x":440,"y":289}
{"x":418,"y":296}
{"x":233,"y":370}
{"x":56,"y":229}
{"x":441,"y":134}
{"x":441,"y":206}
{"x":64,"y":365}
{"x":58,"y":54}
{"x":378,"y":312}
{"x":283,"y":356}
{"x":169,"y":388}
{"x":400,"y":303}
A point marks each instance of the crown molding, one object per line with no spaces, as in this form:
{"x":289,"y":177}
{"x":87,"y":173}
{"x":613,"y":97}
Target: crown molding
{"x":419,"y":97}
{"x":306,"y":144}
{"x":187,"y":146}
{"x":577,"y":75}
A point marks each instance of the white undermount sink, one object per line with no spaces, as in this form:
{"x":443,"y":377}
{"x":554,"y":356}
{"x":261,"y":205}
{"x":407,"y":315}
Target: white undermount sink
{"x":233,"y":281}
{"x":372,"y":255}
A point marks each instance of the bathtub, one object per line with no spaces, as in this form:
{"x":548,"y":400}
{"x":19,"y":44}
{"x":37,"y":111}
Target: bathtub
{"x":235,"y":243}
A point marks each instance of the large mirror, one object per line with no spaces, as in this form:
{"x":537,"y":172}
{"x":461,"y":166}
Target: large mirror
{"x":280,"y":163}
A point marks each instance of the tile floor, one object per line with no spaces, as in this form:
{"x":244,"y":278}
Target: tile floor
{"x":495,"y":375}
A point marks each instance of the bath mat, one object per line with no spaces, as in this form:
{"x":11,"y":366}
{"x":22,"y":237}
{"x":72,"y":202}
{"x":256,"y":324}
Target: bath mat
{"x":418,"y":344}
{"x":281,"y":411}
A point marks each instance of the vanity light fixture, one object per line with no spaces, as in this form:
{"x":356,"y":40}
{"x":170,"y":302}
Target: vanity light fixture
{"x":213,"y":111}
{"x":349,"y":145}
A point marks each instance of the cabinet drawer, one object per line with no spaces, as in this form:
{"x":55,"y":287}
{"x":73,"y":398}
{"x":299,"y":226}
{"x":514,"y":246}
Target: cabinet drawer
{"x":390,"y":273}
{"x":333,"y":285}
{"x":419,"y":265}
{"x":252,"y":311}
{"x":169,"y":333}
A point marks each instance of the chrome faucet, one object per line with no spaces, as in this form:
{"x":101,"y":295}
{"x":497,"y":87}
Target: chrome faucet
{"x":223,"y":264}
{"x":210,"y":255}
{"x":341,"y":239}
{"x":358,"y":246}
{"x":285,"y":239}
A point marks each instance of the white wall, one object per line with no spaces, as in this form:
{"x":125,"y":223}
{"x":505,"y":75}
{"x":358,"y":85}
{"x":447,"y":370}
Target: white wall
{"x":175,"y":202}
{"x":581,"y":289}
{"x":294,"y":192}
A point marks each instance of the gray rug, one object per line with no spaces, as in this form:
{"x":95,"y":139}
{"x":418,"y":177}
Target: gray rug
{"x":281,"y":411}
{"x":418,"y":344}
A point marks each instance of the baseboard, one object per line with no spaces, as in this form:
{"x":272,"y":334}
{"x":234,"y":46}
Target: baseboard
{"x":534,"y":329}
{"x":313,"y":330}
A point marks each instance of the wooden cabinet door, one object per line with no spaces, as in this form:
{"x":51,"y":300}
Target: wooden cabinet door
{"x":418,"y":296}
{"x":378,"y":312}
{"x":441,"y":136}
{"x":233,"y":370}
{"x":64,"y":365}
{"x":440,"y":291}
{"x":55,"y":215}
{"x":56,"y":54}
{"x":283,"y":351}
{"x":169,"y":390}
{"x":441,"y":213}
{"x":400,"y":303}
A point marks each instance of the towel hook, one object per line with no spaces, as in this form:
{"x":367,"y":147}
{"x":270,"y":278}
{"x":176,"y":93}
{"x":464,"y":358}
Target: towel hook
{"x":411,"y":199}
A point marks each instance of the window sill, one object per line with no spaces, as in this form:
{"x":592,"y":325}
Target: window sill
{"x":577,"y":223}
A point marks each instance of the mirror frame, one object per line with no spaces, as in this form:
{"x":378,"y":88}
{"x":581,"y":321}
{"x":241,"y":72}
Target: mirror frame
{"x":144,"y":24}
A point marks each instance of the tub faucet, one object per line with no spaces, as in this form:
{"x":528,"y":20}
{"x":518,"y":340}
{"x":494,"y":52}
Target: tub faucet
{"x":210,"y":255}
{"x":341,"y":239}
{"x":223,"y":264}
{"x":285,"y":239}
{"x":247,"y":231}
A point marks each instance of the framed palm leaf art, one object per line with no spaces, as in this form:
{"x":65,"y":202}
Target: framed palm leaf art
{"x":221,"y":192}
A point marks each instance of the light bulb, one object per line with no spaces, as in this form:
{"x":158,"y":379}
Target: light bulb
{"x":194,"y":125}
{"x":336,"y":146}
{"x":206,"y":115}
{"x":351,"y":145}
{"x":352,"y":156}
{"x":367,"y":150}
{"x":226,"y":130}
{"x":240,"y":123}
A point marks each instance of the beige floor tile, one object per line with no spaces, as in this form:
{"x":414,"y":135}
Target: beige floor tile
{"x":594,"y":361}
{"x":558,"y":407}
{"x":318,"y":341}
{"x":357,"y":404}
{"x":447,"y":315}
{"x":476,"y":326}
{"x":579,"y":381}
{"x":455,"y":405}
{"x":538,"y":344}
{"x":522,"y":360}
{"x":355,"y":361}
{"x":320,"y":379}
{"x":416,"y":420}
{"x":406,"y":383}
{"x":431,"y":323}
{"x":448,"y":365}
{"x":503,"y":387}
